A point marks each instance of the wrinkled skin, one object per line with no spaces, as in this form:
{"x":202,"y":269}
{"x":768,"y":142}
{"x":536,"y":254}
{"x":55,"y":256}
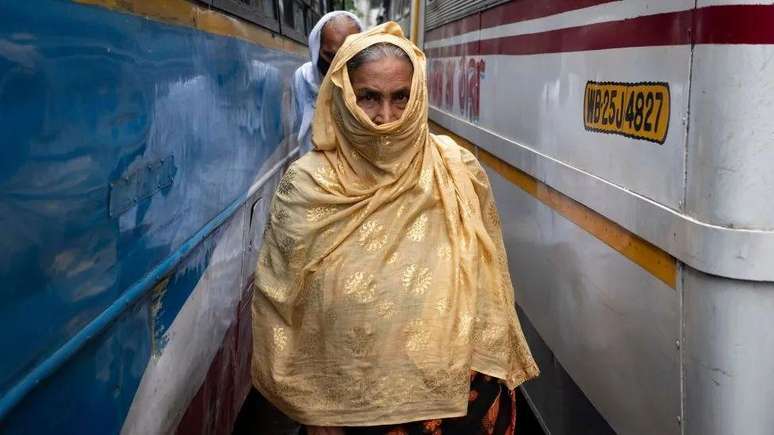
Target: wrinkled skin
{"x":383,"y":88}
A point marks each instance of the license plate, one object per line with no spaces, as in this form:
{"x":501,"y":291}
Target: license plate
{"x":636,"y":110}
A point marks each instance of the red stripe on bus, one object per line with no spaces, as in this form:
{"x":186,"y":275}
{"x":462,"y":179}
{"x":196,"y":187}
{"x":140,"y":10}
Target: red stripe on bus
{"x":734,"y":24}
{"x":516,"y":11}
{"x":466,"y":49}
{"x":751,"y":24}
{"x":464,"y":25}
{"x":508,"y":13}
{"x":645,"y":31}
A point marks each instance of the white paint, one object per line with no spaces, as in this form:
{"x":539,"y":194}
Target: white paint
{"x":731,"y":143}
{"x":587,"y":302}
{"x":537,"y":101}
{"x":172,"y":379}
{"x":596,"y":310}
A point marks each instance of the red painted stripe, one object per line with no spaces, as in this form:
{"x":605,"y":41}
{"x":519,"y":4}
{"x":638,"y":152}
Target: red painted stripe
{"x":751,"y":24}
{"x":524,"y":10}
{"x":464,"y":25}
{"x":645,"y":31}
{"x":733,"y":24}
{"x":511,"y":12}
{"x":467,"y":49}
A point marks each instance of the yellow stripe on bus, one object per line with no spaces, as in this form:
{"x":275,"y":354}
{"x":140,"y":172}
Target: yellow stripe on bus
{"x":643,"y":253}
{"x":186,"y":13}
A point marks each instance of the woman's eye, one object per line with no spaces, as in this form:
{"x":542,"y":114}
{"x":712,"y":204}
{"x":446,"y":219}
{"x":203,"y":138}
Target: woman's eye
{"x":401,"y":98}
{"x":368,"y":98}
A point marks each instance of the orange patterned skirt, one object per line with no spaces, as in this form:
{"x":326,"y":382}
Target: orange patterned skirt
{"x":491,"y":411}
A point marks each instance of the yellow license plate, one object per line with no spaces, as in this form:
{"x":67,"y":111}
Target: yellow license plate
{"x":637,"y":110}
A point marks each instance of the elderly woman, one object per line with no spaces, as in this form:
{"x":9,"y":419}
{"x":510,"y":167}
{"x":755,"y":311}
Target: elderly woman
{"x":383,"y":302}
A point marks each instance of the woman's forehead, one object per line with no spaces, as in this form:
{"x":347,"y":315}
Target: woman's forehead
{"x":383,"y":74}
{"x":380,"y":52}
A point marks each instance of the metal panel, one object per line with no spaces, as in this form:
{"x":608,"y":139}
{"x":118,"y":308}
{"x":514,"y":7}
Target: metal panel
{"x":718,"y":250}
{"x":141,"y":184}
{"x":611,"y":324}
{"x":88,"y":94}
{"x":549,"y":103}
{"x":537,"y":100}
{"x":700,"y":197}
{"x":440,"y":12}
{"x":731,"y":143}
{"x":531,"y":115}
{"x":199,"y":306}
{"x":192,"y":317}
{"x":263,"y":12}
{"x":729,"y":356}
{"x":556,"y":400}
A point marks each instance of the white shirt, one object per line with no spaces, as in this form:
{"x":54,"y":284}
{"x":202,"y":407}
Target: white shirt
{"x":306,"y":82}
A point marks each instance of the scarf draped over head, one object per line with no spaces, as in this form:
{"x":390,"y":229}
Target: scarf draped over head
{"x":307,"y":78}
{"x":382,"y":280}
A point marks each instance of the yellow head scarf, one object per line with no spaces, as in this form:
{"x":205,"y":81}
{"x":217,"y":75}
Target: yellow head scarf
{"x":382,"y":280}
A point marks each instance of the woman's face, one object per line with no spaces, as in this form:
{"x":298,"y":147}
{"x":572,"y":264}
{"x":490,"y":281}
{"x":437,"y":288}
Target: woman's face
{"x":382,"y":88}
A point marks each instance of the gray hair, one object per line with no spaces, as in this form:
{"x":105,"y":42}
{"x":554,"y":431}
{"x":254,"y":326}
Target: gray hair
{"x":339,"y":20}
{"x":375,"y":52}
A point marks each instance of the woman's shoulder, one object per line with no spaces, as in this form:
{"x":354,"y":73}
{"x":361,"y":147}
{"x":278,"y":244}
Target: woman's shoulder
{"x":309,"y":161}
{"x":297,"y":183}
{"x":304,"y":169}
{"x":449,"y":146}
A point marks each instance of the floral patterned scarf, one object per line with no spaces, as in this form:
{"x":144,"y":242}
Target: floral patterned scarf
{"x":382,"y":280}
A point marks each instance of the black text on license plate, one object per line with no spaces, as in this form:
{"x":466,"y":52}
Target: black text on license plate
{"x":636,"y":110}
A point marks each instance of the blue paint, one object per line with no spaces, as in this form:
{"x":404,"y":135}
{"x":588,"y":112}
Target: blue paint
{"x":64,"y":354}
{"x":141,"y":184}
{"x":90,"y":393}
{"x":88,"y":96}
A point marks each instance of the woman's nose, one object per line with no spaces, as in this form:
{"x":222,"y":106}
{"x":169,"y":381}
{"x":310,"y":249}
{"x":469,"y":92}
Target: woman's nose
{"x":386,"y":114}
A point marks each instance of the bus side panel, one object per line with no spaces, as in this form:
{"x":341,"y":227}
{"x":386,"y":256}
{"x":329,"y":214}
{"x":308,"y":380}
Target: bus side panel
{"x":610,"y":323}
{"x":599,"y":308}
{"x":687,"y":207}
{"x":531,"y":90}
{"x":133,"y":153}
{"x":729,"y":355}
{"x":730,"y":144}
